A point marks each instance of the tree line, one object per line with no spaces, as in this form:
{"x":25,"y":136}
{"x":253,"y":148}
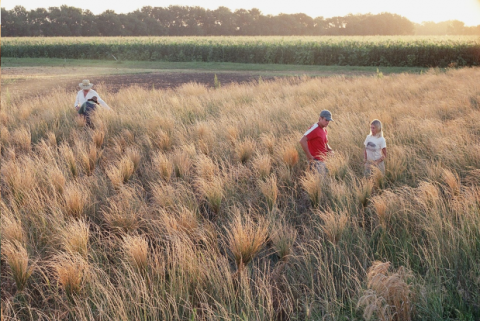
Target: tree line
{"x":66,"y":21}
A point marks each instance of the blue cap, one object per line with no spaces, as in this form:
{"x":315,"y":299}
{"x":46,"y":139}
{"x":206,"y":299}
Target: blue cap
{"x":326,"y":114}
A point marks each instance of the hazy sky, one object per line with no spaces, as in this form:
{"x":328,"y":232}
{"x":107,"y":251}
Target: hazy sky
{"x":467,"y":11}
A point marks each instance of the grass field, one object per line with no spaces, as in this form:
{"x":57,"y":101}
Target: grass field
{"x":196,"y":203}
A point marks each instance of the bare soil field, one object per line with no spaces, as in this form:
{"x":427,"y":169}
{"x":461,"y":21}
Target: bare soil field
{"x":35,"y":80}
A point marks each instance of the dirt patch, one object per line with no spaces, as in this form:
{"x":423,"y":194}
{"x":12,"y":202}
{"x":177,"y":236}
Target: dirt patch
{"x":173,"y":80}
{"x":159,"y":80}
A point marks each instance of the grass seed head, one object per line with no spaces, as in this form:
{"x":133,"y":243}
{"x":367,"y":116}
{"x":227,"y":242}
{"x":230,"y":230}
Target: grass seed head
{"x":16,"y":257}
{"x":135,"y":249}
{"x":245,"y":238}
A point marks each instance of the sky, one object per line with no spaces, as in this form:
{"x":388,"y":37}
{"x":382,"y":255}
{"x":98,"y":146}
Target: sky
{"x":417,"y":11}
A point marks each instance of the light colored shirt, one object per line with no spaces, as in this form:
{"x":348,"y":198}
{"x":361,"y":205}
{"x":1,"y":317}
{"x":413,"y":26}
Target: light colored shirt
{"x":82,"y":98}
{"x":374,"y":146}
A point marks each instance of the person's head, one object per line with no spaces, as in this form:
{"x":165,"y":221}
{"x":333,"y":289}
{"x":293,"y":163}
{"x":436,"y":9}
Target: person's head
{"x":376,"y":128}
{"x":85,"y":85}
{"x":325,"y":118}
{"x":94,"y":99}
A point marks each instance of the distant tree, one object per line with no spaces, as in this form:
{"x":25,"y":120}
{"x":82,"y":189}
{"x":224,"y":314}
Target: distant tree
{"x":65,"y":21}
{"x":196,"y":21}
{"x":223,"y":22}
{"x":89,"y":24}
{"x":15,"y":22}
{"x":109,"y":24}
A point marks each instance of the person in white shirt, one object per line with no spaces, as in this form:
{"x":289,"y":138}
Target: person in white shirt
{"x":87,"y":93}
{"x":375,"y":148}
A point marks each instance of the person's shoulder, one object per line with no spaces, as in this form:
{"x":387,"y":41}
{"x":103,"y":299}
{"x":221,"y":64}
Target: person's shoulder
{"x":311,"y":129}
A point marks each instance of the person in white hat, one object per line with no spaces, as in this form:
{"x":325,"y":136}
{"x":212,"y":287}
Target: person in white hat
{"x":87,"y":93}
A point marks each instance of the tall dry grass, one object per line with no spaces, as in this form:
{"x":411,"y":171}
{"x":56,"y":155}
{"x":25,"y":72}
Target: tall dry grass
{"x":157,"y":209}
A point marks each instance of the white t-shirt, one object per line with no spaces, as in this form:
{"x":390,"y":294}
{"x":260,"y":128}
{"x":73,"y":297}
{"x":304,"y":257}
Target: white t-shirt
{"x":373,"y":146}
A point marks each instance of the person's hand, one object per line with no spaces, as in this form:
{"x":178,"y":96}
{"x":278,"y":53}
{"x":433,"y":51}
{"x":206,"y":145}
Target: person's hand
{"x":77,"y":107}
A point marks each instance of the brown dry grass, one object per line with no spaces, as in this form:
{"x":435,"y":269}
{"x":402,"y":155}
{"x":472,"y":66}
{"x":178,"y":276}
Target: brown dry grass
{"x":158,"y":208}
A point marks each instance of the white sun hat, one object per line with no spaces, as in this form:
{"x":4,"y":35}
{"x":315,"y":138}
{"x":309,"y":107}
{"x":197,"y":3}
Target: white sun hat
{"x":85,"y":84}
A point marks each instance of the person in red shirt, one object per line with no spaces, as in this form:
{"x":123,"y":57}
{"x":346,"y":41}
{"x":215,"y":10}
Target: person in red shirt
{"x":315,"y":142}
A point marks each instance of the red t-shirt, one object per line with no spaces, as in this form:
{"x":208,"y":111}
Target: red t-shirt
{"x":317,"y":142}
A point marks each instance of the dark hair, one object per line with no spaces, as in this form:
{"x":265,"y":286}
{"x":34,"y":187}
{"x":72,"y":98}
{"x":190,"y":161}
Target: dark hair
{"x":94,"y":99}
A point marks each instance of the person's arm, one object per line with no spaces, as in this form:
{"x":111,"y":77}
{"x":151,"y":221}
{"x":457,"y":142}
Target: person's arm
{"x":103,"y":103}
{"x":77,"y":102}
{"x":329,"y":149}
{"x":304,"y":144}
{"x":384,"y":155}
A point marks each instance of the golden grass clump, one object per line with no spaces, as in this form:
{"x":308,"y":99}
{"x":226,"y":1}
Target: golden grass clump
{"x":268,"y":142}
{"x":212,"y":191}
{"x":245,"y":238}
{"x":57,"y":179}
{"x":283,"y":238}
{"x":69,"y":159}
{"x":232,"y":134}
{"x":396,"y":165}
{"x":76,"y":198}
{"x":122,"y":172}
{"x":205,"y":137}
{"x":135,"y":249}
{"x":75,"y":236}
{"x":364,"y":189}
{"x":262,"y":165}
{"x":428,"y":194}
{"x":4,"y":136}
{"x":183,"y":220}
{"x":72,"y":273}
{"x":383,"y":207}
{"x":11,"y":228}
{"x":388,"y":296}
{"x":290,"y":156}
{"x":453,"y":182}
{"x":164,"y":195}
{"x":182,"y":163}
{"x":312,"y":184}
{"x":269,"y":190}
{"x":163,"y":165}
{"x":245,"y":150}
{"x":135,"y":156}
{"x":334,"y":224}
{"x":22,"y":138}
{"x":205,"y":167}
{"x":98,"y":138}
{"x":124,"y":211}
{"x":17,"y":258}
{"x":89,"y":157}
{"x":337,"y":166}
{"x":20,"y":177}
{"x":51,"y":139}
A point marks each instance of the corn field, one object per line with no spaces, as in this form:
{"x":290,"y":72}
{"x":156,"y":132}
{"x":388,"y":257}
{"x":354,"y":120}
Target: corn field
{"x":197,"y":203}
{"x":354,"y":51}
